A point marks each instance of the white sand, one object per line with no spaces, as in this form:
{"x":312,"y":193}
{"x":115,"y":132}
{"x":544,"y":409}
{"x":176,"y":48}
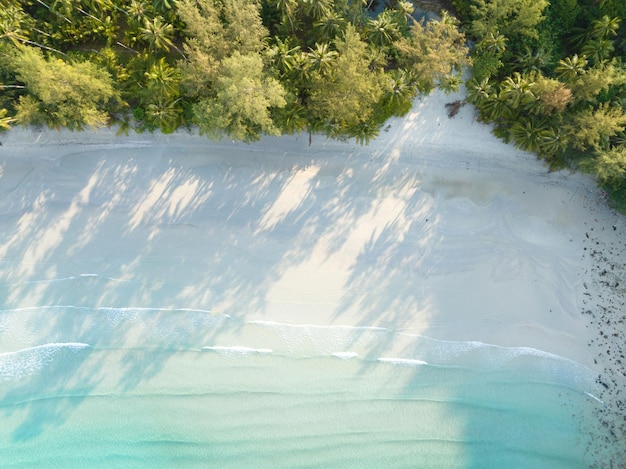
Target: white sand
{"x":436,"y":228}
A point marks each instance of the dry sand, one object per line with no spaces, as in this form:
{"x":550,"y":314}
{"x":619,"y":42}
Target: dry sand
{"x":436,"y":228}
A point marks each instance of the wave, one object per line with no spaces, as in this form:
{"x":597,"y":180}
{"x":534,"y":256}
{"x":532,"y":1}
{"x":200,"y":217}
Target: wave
{"x":118,"y":315}
{"x":238,"y":350}
{"x":379,"y":344}
{"x":402,"y":361}
{"x":318,"y":326}
{"x":345,"y":355}
{"x":187,"y":329}
{"x":126,"y":309}
{"x":14,"y":365}
{"x":490,"y":357}
{"x":70,"y":278}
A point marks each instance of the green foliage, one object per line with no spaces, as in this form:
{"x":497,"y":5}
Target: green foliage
{"x":609,"y":166}
{"x":570,"y":69}
{"x":398,"y":93}
{"x":485,"y":64}
{"x":553,"y":96}
{"x":237,"y":68}
{"x":550,"y":77}
{"x":244,"y":96}
{"x":61,"y":94}
{"x":162,"y":79}
{"x":346,"y":98}
{"x":5,"y":120}
{"x":587,"y":86}
{"x":513,"y":18}
{"x":617,"y":194}
{"x":595,"y":127}
{"x":15,"y":24}
{"x":291,"y":118}
{"x":157,"y":34}
{"x":433,"y":52}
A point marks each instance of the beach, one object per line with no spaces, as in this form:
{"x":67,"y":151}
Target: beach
{"x":339,"y":292}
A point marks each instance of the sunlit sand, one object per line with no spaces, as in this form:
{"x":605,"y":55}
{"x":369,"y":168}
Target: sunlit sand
{"x":434,"y":233}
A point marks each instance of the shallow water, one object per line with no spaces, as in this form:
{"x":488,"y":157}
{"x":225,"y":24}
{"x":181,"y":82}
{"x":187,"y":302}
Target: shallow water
{"x":284,"y":395}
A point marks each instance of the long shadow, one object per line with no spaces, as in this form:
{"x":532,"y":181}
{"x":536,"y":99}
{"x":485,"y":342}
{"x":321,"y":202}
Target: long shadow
{"x":109,"y":248}
{"x":171,"y":247}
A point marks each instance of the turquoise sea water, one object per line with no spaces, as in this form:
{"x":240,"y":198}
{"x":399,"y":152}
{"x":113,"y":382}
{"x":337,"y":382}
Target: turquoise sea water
{"x":311,"y":400}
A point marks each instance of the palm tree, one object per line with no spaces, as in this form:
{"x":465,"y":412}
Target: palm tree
{"x":517,"y":90}
{"x":5,"y":122}
{"x":321,"y":58}
{"x":317,"y":9}
{"x":598,"y":50}
{"x":62,"y":8}
{"x":355,"y":12}
{"x":163,"y":5}
{"x":330,"y":26}
{"x":14,"y":24}
{"x":137,"y":12}
{"x":533,"y":61}
{"x":157,"y":34}
{"x":495,"y":108}
{"x":283,"y":55}
{"x":287,"y":9}
{"x":570,"y":68}
{"x":604,"y":28}
{"x":381,"y":31}
{"x":495,"y":43}
{"x":364,"y":131}
{"x":291,"y":118}
{"x":450,"y":83}
{"x":164,"y":114}
{"x":479,"y":92}
{"x":398,"y":97}
{"x":378,"y":59}
{"x":527,"y":135}
{"x":163,"y":79}
{"x":100,"y":6}
{"x":552,"y":143}
{"x":405,"y":11}
{"x":301,"y":72}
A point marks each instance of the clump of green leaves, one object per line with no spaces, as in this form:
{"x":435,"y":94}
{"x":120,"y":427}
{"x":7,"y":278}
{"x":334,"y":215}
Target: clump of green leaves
{"x":60,"y":93}
{"x":235,"y":68}
{"x":550,"y":76}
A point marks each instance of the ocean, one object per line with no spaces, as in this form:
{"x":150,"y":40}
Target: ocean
{"x":194,"y":389}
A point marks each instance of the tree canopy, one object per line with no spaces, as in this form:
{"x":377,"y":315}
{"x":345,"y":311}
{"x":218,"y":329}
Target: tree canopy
{"x":235,"y":68}
{"x":551,"y":76}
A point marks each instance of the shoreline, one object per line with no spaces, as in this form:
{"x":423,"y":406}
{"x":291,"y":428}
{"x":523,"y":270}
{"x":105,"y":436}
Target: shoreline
{"x":436,"y":228}
{"x":477,"y":174}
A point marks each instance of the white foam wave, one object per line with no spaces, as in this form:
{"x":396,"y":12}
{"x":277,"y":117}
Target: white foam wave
{"x":402,"y":361}
{"x":30,"y":360}
{"x":496,"y":355}
{"x":345,"y":355}
{"x":595,"y":398}
{"x":110,"y":309}
{"x":317,"y":326}
{"x":71,"y":278}
{"x":238,"y":350}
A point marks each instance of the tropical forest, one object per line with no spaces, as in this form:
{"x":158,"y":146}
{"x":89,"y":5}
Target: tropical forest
{"x":549,"y":75}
